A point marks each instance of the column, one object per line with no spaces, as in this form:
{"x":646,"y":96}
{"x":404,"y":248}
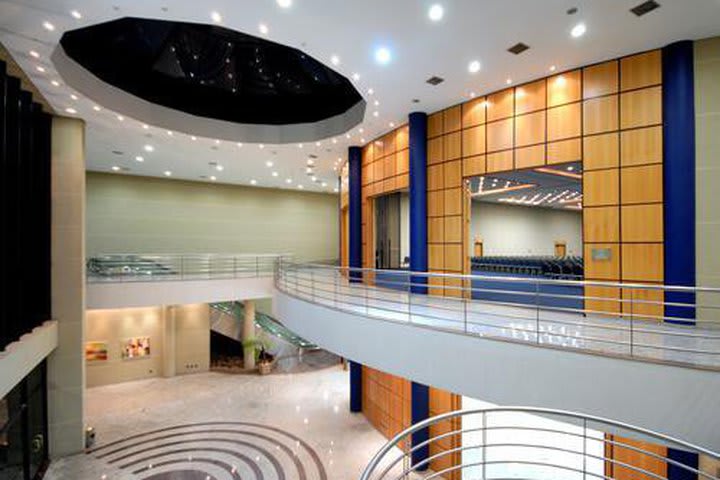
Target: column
{"x":355,"y":255}
{"x":170,"y":337}
{"x":66,"y":365}
{"x":248,"y":333}
{"x":419,"y":262}
{"x":679,"y":174}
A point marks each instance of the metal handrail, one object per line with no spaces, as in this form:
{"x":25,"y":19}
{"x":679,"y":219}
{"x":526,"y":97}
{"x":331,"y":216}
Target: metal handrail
{"x":385,"y":463}
{"x":680,"y":330}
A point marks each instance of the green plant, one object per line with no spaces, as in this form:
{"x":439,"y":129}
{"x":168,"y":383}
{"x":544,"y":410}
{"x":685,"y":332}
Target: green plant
{"x":260,"y":347}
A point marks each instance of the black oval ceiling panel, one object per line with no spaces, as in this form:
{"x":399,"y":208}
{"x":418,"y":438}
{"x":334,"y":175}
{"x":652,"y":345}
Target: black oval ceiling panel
{"x":211,"y":71}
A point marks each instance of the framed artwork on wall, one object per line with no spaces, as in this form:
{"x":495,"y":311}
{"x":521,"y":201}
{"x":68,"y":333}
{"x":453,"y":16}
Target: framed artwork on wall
{"x":135,"y":347}
{"x":96,"y":351}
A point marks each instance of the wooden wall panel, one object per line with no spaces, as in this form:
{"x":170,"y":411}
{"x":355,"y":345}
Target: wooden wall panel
{"x":642,"y":262}
{"x":601,"y":79}
{"x":564,"y":151}
{"x":500,"y":135}
{"x":500,"y":105}
{"x":601,"y":224}
{"x":564,"y":122}
{"x":642,"y":146}
{"x":601,"y":187}
{"x":473,"y":141}
{"x":452,"y":119}
{"x":641,"y":108}
{"x":642,"y":223}
{"x":602,"y":269}
{"x":500,"y":161}
{"x":600,"y":115}
{"x":529,"y":129}
{"x":474,"y":112}
{"x":530,"y":97}
{"x":564,"y":88}
{"x":642,"y":184}
{"x":386,"y":401}
{"x":601,"y":151}
{"x":639,"y":71}
{"x":528,"y":157}
{"x":630,"y":456}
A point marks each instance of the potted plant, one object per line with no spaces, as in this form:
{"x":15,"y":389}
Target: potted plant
{"x":263,"y":358}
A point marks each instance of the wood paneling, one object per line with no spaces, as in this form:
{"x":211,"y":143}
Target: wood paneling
{"x":452,"y":119}
{"x":453,"y":201}
{"x":601,"y":224}
{"x":453,"y":230}
{"x":500,"y":105}
{"x":436,"y":230}
{"x":402,"y":160}
{"x":500,"y":162}
{"x":564,"y":151}
{"x":473,"y":112}
{"x":642,"y":184}
{"x":435,"y":124}
{"x":600,"y":115}
{"x":453,"y":146}
{"x":530,"y":97}
{"x":603,"y":299}
{"x":601,"y":151}
{"x":452,"y":174}
{"x":564,"y":88}
{"x":642,"y":262}
{"x":642,"y":223}
{"x":601,"y":79}
{"x":436,"y":202}
{"x":435,"y":151}
{"x":473,"y":166}
{"x":632,"y":457}
{"x":387,"y":402}
{"x":644,"y":303}
{"x":473,"y":141}
{"x":641,"y":70}
{"x":641,"y":146}
{"x":601,"y":188}
{"x":530,"y":157}
{"x":436,"y":256}
{"x":563,"y":122}
{"x":641,"y":108}
{"x":500,"y":135}
{"x":436,"y":177}
{"x":453,"y":257}
{"x":602,"y":269}
{"x":529,"y":129}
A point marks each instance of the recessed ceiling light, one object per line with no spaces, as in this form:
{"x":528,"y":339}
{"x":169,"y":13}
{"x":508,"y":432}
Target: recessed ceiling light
{"x":474,"y":66}
{"x":213,"y":177}
{"x":300,"y":187}
{"x":239,"y":144}
{"x":253,"y":182}
{"x":284,"y":3}
{"x":139,"y":159}
{"x":560,"y":81}
{"x":145,"y":126}
{"x":34,"y":54}
{"x":578,"y":30}
{"x":553,"y":68}
{"x":335,"y":190}
{"x":472,"y":94}
{"x":71,"y":111}
{"x":317,"y":144}
{"x":436,"y":12}
{"x":362,"y":140}
{"x":356,"y":76}
{"x":121,"y":118}
{"x":73,"y":96}
{"x":376,"y":103}
{"x":269,"y":163}
{"x":193,"y":138}
{"x":376,"y":113}
{"x":288,"y":180}
{"x":300,"y":145}
{"x":167,"y":173}
{"x":508,"y":81}
{"x":217,"y":142}
{"x":97,"y":108}
{"x":324,"y":184}
{"x":261,"y":146}
{"x":219,"y":168}
{"x":370,"y":91}
{"x":383,"y":55}
{"x":334,"y":140}
{"x":311,"y":161}
{"x":216,"y":17}
{"x":274,"y":174}
{"x":149,"y":148}
{"x":392,"y":124}
{"x":77,"y":15}
{"x":335,"y":60}
{"x":309,"y":170}
{"x":115,"y":168}
{"x":313,"y":178}
{"x":40,"y":69}
{"x":570,"y":168}
{"x":347,"y":135}
{"x":170,"y":133}
{"x":263,"y":29}
{"x":48,"y":26}
{"x":55,"y":83}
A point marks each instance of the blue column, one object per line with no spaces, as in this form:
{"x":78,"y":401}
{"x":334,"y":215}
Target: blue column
{"x":679,"y":174}
{"x":355,"y":255}
{"x":419,"y":262}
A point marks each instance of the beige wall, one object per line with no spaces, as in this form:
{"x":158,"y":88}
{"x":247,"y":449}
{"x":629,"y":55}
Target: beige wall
{"x":707,"y":170}
{"x":191,"y":350}
{"x":141,"y":214}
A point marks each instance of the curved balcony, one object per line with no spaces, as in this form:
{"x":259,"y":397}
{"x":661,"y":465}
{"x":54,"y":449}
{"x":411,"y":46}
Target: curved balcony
{"x":534,"y":443}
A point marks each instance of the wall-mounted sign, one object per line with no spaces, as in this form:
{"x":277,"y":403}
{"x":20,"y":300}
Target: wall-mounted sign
{"x":601,"y":254}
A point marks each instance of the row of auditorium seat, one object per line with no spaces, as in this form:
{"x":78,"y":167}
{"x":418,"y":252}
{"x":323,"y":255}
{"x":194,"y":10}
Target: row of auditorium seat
{"x":551,"y":267}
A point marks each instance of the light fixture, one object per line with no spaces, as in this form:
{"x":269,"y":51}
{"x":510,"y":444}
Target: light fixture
{"x":55,"y":83}
{"x":239,"y":144}
{"x":362,"y":140}
{"x":167,"y":173}
{"x":300,"y":145}
{"x":263,"y":29}
{"x":553,"y":68}
{"x":261,"y":146}
{"x":139,"y":159}
{"x":370,"y":91}
{"x":300,"y":187}
{"x":310,"y":162}
{"x":71,"y":111}
{"x":274,"y":174}
{"x":288,"y":180}
{"x":309,"y":170}
{"x":570,"y":168}
{"x":115,"y":168}
{"x":40,"y":69}
{"x":317,"y":144}
{"x":474,"y":66}
{"x":34,"y":54}
{"x":269,"y":163}
{"x":335,"y":190}
{"x":48,"y":26}
{"x":213,"y":177}
{"x":284,"y":3}
{"x":193,"y":138}
{"x":377,"y":103}
{"x":219,"y":168}
{"x":383,"y":55}
{"x":217,"y":142}
{"x":77,"y":15}
{"x":97,"y":108}
{"x":253,"y":182}
{"x":376,"y":113}
{"x":334,"y":140}
{"x":324,"y":184}
{"x":216,"y":17}
{"x":508,"y":81}
{"x":149,"y":148}
{"x":313,"y":178}
{"x":145,"y":126}
{"x":436,"y":12}
{"x":361,"y":130}
{"x":578,"y":30}
{"x":392,"y":124}
{"x":356,"y":76}
{"x":335,"y":60}
{"x":560,"y":81}
{"x":170,"y":133}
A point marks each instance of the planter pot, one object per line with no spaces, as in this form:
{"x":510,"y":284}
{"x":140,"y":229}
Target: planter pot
{"x":264,"y":368}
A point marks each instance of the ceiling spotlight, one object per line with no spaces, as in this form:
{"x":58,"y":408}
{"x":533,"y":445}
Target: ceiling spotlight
{"x":508,"y":81}
{"x":40,"y":69}
{"x":311,"y":162}
{"x":578,"y":30}
{"x":436,"y":12}
{"x":288,"y":180}
{"x":313,"y":178}
{"x":120,"y":118}
{"x":335,"y":60}
{"x":193,"y":138}
{"x":383,"y":55}
{"x":48,"y":26}
{"x":356,"y":76}
{"x":474,"y":66}
{"x":239,"y":144}
{"x":213,"y":177}
{"x":219,"y":168}
{"x":570,"y":168}
{"x":553,"y":68}
{"x":77,"y":15}
{"x":274,"y":174}
{"x":309,"y":170}
{"x":145,"y":126}
{"x":300,"y":145}
{"x":217,"y":142}
{"x":34,"y":54}
{"x":97,"y":108}
{"x":324,"y":184}
{"x":71,"y":111}
{"x":370,"y":91}
{"x":361,"y":130}
{"x":261,"y":146}
{"x":334,"y":140}
{"x":115,"y":168}
{"x":317,"y":144}
{"x":149,"y":148}
{"x":269,"y":164}
{"x":335,"y":190}
{"x":376,"y":103}
{"x":376,"y":113}
{"x":55,"y":83}
{"x":300,"y":187}
{"x":347,"y":135}
{"x":139,"y":159}
{"x":362,"y":140}
{"x":253,"y":182}
{"x":167,"y":173}
{"x":284,"y":3}
{"x":170,"y":133}
{"x":392,"y":124}
{"x":263,"y":29}
{"x":216,"y":17}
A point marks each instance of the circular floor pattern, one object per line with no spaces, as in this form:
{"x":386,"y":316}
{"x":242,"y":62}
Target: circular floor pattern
{"x":214,"y":451}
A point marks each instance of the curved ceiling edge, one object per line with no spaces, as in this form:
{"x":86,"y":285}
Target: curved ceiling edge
{"x":113,"y":98}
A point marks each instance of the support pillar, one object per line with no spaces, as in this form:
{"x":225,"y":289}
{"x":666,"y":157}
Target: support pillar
{"x":355,"y":256}
{"x":419,"y":263}
{"x":169,"y":335}
{"x":248,"y":333}
{"x":679,"y":174}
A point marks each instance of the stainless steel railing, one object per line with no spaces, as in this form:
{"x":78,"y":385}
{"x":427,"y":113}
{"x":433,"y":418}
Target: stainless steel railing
{"x":534,"y":443}
{"x":647,"y":322}
{"x":150,"y":267}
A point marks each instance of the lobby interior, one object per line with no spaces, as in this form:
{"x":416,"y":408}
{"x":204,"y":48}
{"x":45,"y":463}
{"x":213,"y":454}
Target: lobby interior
{"x":310,"y":239}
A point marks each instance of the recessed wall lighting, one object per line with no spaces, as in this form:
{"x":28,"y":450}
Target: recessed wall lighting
{"x":474,"y":66}
{"x":263,"y":28}
{"x":269,"y":164}
{"x":335,"y":60}
{"x":216,"y":17}
{"x":578,"y":30}
{"x":77,"y":15}
{"x":274,"y":174}
{"x":71,"y":111}
{"x":436,"y":12}
{"x":34,"y":54}
{"x":149,"y":148}
{"x":48,"y":26}
{"x":40,"y":69}
{"x":383,"y":55}
{"x":139,"y":159}
{"x":167,"y":173}
{"x":284,"y":3}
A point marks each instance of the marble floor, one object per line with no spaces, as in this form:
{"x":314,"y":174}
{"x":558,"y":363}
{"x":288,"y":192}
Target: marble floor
{"x":292,"y":424}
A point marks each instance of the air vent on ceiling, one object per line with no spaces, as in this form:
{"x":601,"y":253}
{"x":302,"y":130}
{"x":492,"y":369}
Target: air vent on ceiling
{"x":518,"y":48}
{"x":117,"y":152}
{"x":435,"y":80}
{"x":312,"y":155}
{"x":645,"y":7}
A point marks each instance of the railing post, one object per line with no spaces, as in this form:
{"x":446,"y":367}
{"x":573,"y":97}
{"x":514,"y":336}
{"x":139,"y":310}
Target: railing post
{"x":465,"y":305}
{"x":409,"y":297}
{"x":632,"y":321}
{"x":537,"y":310}
{"x":182,"y":267}
{"x":257,"y":266}
{"x":312,"y":285}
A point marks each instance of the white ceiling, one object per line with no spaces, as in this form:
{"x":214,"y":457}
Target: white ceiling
{"x":470,"y":30}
